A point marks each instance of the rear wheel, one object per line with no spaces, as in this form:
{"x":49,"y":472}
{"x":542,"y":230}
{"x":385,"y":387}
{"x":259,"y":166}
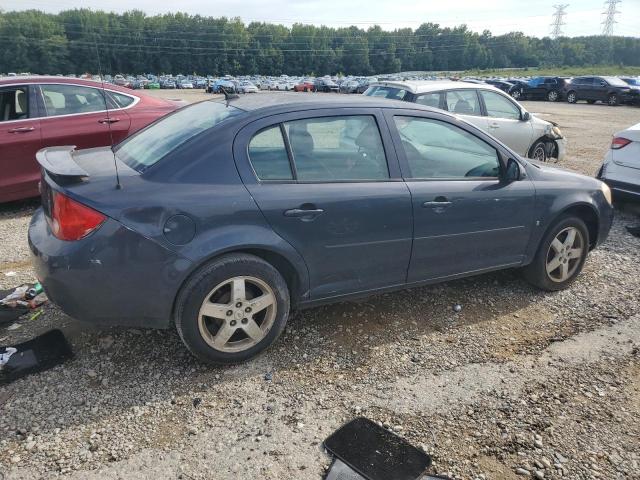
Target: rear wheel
{"x":571,"y":97}
{"x":560,"y":256}
{"x":612,"y":100}
{"x":553,"y":96}
{"x":232,"y":309}
{"x":516,"y":94}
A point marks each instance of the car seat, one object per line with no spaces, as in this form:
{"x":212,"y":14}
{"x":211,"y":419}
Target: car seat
{"x":464,"y":108}
{"x":22,"y":103}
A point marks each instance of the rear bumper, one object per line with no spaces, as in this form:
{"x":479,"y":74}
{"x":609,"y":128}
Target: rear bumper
{"x":112,"y":277}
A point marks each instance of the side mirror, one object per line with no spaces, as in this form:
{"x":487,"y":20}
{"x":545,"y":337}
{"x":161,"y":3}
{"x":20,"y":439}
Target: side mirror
{"x":525,"y":116}
{"x":603,"y":84}
{"x":512,"y":173}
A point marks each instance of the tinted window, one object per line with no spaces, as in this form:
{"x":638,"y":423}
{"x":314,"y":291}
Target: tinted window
{"x":463,"y":102}
{"x":386,"y":92}
{"x":437,"y":149}
{"x":268,"y":155}
{"x":121,"y":100}
{"x":72,"y":99}
{"x":146,"y":147}
{"x":14,"y":104}
{"x":614,"y":81}
{"x":430,"y":99}
{"x":337,"y":148}
{"x":499,"y":106}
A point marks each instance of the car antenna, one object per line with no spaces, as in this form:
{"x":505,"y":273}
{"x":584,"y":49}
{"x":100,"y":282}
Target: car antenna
{"x":106,"y":104}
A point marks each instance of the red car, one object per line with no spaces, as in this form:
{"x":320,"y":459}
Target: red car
{"x":38,"y":112}
{"x":304,"y":87}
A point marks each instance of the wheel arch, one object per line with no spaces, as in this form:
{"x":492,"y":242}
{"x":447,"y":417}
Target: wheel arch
{"x":589,"y":215}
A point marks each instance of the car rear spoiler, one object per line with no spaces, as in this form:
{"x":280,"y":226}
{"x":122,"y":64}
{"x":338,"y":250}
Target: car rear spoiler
{"x":59,"y":161}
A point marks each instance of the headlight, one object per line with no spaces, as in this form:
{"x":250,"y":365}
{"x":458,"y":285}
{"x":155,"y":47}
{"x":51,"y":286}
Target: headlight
{"x":606,"y":191}
{"x":556,"y":131}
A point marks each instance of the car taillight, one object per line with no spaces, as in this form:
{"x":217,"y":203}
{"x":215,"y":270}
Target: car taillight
{"x":618,"y":142}
{"x":71,"y":220}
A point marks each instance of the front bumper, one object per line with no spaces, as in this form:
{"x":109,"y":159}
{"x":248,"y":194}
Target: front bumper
{"x":112,"y":277}
{"x":561,"y":148}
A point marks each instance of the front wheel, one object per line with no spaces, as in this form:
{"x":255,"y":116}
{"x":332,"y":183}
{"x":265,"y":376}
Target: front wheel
{"x":560,"y":256}
{"x":553,"y":96}
{"x":538,"y":151}
{"x":612,"y":100}
{"x":232,"y":309}
{"x":571,"y":97}
{"x":516,"y":94}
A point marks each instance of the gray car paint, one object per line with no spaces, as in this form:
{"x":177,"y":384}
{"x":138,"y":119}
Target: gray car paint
{"x":127,"y":272}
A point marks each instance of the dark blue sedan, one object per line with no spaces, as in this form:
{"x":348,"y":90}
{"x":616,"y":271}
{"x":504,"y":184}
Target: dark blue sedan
{"x":225,"y":216}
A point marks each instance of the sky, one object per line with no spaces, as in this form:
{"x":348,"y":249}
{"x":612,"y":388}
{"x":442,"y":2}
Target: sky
{"x":533,"y":17}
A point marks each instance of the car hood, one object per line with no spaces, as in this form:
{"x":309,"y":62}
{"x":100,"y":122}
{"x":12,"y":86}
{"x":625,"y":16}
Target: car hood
{"x":544,"y":171}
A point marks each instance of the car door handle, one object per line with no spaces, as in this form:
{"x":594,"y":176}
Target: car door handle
{"x":303,"y":212}
{"x":494,"y":125}
{"x":108,"y":120}
{"x":438,"y":202}
{"x":22,"y":129}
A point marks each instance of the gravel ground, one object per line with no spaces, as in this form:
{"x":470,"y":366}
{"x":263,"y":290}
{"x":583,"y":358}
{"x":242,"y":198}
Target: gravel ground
{"x":517,"y":384}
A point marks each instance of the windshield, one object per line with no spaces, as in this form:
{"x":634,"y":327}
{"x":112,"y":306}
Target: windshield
{"x":386,"y":92}
{"x":615,"y":82}
{"x":153,"y":143}
{"x":632,"y":81}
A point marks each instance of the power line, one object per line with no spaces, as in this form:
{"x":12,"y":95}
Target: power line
{"x":558,"y":20}
{"x":610,"y":20}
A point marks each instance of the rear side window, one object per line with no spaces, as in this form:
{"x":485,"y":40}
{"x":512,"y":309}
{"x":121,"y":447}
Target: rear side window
{"x":430,"y":99}
{"x":14,"y":104}
{"x":499,"y":107}
{"x":268,"y":155}
{"x":153,"y":143}
{"x":72,"y":99}
{"x":439,"y":150}
{"x":463,"y":102}
{"x":121,"y":100}
{"x":337,"y":148}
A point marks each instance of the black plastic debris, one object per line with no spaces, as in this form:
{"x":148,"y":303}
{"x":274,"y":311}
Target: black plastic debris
{"x":375,"y":453}
{"x":36,"y":355}
{"x":341,"y":471}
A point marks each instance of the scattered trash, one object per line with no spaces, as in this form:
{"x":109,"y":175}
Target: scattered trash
{"x":457,"y":308}
{"x":196,"y":401}
{"x":10,"y":274}
{"x":34,"y":291}
{"x":14,"y":326}
{"x":341,"y":471}
{"x":635,"y":231}
{"x":36,"y":355}
{"x":375,"y":453}
{"x":16,"y":302}
{"x":268,"y":376}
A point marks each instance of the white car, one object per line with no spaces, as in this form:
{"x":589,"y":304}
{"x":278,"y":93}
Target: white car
{"x":621,"y":167}
{"x":247,"y":87}
{"x":488,"y":108}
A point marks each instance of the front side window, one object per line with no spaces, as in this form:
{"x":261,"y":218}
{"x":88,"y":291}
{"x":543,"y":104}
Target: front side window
{"x":499,"y":107}
{"x":337,"y":148}
{"x":72,"y":99}
{"x":439,"y":150}
{"x":268,"y":155}
{"x":14,"y":104}
{"x":153,"y":143}
{"x":430,"y":99}
{"x":463,"y":102}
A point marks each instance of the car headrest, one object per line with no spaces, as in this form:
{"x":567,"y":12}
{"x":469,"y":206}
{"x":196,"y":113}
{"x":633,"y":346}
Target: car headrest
{"x":462,"y":106}
{"x":301,"y":142}
{"x":369,"y":138}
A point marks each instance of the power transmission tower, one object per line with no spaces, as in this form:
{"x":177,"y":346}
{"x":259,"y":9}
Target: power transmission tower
{"x":558,"y":20}
{"x":610,"y":12}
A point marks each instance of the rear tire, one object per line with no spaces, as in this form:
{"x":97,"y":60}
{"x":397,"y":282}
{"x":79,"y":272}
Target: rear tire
{"x":572,"y":97}
{"x":559,"y":260}
{"x":612,"y":100}
{"x":232,"y":309}
{"x":553,"y":96}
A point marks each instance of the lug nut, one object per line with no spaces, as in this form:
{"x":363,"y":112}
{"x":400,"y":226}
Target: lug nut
{"x":238,"y":305}
{"x":233,"y":323}
{"x":244,"y":321}
{"x":229,"y":313}
{"x":248,"y":309}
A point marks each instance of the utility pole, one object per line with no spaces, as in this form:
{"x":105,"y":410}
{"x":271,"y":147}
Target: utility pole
{"x":610,"y":20}
{"x":558,"y":20}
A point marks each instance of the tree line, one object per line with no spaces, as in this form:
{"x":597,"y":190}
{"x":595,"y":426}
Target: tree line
{"x":82,"y":40}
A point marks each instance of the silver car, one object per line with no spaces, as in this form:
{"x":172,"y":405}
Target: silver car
{"x":488,"y":108}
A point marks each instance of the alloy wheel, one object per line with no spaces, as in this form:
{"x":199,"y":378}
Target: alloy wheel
{"x":552,"y":96}
{"x":564,"y":254}
{"x":516,"y":94}
{"x":613,"y":100}
{"x":539,"y":154}
{"x":237,"y":314}
{"x":571,"y":98}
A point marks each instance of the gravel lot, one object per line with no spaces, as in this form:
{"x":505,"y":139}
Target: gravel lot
{"x":518,"y":384}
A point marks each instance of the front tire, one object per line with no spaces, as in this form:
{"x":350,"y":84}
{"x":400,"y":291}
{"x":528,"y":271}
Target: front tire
{"x":612,"y":100}
{"x":560,"y":256}
{"x":539,"y":151}
{"x":232,"y":309}
{"x":553,"y":96}
{"x":572,"y":97}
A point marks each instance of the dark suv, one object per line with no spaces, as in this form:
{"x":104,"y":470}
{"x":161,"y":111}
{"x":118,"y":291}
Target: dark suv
{"x":325,"y":85}
{"x":609,"y":90}
{"x":545,"y":88}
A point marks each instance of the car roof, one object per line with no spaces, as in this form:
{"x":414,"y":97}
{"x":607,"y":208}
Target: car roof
{"x":37,"y":79}
{"x":426,"y":86}
{"x":289,"y":101}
